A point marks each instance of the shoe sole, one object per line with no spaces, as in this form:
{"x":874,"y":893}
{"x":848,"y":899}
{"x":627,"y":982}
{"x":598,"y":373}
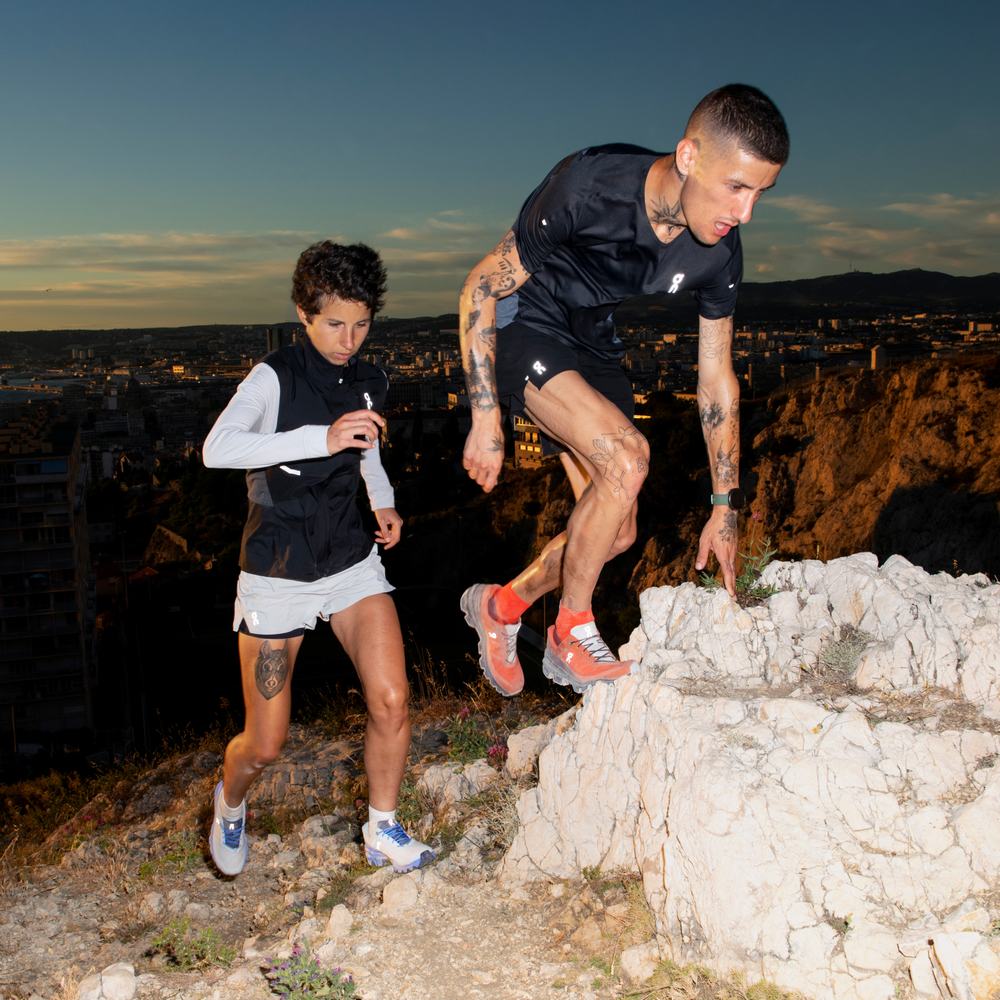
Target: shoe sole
{"x":557,"y":672}
{"x":378,"y":860}
{"x":469,"y":605}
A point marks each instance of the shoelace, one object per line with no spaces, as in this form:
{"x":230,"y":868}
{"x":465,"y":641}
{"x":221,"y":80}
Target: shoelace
{"x":511,"y":634}
{"x":597,"y":648}
{"x":395,"y":833}
{"x":232,"y":830}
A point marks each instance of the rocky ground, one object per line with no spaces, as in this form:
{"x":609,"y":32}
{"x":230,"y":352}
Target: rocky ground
{"x":128,"y":890}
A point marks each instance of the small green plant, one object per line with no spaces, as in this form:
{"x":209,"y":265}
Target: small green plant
{"x":749,"y":589}
{"x":182,"y":854}
{"x":188,"y":948}
{"x":300,"y":978}
{"x":755,"y":561}
{"x":466,"y":741}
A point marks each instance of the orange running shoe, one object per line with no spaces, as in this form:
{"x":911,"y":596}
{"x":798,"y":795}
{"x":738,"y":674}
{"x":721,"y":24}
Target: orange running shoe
{"x":581,"y":658}
{"x":497,"y":641}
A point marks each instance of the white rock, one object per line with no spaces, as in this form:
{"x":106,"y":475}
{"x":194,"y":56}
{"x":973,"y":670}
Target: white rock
{"x":401,"y":894}
{"x":523,"y":748}
{"x":150,"y":906}
{"x":90,"y":987}
{"x":639,"y":962}
{"x":118,"y":981}
{"x":339,"y":924}
{"x":778,"y":835}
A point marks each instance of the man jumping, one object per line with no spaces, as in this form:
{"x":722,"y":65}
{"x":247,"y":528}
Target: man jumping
{"x":537,"y":334}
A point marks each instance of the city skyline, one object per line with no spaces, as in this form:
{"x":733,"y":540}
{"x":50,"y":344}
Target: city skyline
{"x":166,"y":167}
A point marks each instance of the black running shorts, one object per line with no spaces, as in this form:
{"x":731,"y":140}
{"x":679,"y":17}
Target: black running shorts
{"x":525,"y":355}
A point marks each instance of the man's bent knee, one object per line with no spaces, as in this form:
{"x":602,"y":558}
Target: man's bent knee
{"x":621,"y":459}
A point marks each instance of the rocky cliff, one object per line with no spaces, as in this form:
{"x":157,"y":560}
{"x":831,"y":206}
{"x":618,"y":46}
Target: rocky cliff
{"x":808,"y":787}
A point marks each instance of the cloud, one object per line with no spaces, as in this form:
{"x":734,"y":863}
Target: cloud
{"x":803,"y":208}
{"x":147,"y":251}
{"x":940,"y":206}
{"x":442,"y":228}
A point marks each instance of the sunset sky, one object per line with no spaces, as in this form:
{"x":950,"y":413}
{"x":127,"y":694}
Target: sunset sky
{"x":164,"y":164}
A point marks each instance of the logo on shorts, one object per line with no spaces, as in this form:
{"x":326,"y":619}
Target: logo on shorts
{"x":539,"y":367}
{"x":675,"y":283}
{"x":254,"y":619}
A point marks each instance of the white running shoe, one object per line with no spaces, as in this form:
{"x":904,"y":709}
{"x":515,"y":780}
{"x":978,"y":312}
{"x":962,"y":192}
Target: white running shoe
{"x":393,"y":845}
{"x":228,"y":839}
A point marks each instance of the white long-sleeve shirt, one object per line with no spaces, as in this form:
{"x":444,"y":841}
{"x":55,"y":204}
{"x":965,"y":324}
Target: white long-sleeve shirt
{"x":244,"y":437}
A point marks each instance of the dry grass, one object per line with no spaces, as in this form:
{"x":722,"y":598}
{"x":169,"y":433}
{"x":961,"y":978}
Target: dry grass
{"x":695,"y":982}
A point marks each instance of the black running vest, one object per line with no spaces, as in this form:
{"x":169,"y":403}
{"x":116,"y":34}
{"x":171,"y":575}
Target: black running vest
{"x":303,"y":521}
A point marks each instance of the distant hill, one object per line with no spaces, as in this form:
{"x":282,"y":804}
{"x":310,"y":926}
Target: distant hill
{"x":856,"y":292}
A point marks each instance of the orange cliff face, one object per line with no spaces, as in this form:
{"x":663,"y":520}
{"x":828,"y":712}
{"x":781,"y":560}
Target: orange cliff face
{"x":904,"y":461}
{"x":901,"y":461}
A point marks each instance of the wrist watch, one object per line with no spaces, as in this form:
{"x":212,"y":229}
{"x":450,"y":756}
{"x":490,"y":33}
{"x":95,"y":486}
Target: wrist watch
{"x":735,"y":499}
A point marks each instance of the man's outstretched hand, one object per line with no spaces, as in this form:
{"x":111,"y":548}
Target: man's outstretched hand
{"x":483,"y":454}
{"x":719,"y":537}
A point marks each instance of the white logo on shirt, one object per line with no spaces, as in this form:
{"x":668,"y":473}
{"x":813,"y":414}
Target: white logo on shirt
{"x":675,"y":283}
{"x":733,"y":285}
{"x":539,"y":367}
{"x":545,"y":222}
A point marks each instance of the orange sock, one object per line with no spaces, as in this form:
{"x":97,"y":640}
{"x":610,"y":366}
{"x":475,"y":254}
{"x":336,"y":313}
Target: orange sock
{"x":507,"y":607}
{"x":568,"y":619}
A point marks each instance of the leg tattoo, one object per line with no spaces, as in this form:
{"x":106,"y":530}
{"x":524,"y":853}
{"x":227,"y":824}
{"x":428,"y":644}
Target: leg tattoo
{"x":271,"y":670}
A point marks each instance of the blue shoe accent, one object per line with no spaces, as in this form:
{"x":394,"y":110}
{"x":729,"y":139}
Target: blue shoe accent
{"x":227,"y":840}
{"x":393,"y":845}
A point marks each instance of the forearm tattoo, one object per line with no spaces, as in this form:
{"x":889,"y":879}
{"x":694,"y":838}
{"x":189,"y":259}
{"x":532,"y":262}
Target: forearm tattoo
{"x":613,"y":455}
{"x":727,"y":465}
{"x":711,"y":416}
{"x":271,"y":670}
{"x":482,"y":382}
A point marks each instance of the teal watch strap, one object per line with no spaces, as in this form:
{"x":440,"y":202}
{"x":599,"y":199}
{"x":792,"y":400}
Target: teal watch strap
{"x":719,"y":499}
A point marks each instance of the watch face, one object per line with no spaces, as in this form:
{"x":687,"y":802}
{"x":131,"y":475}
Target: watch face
{"x":737,"y":499}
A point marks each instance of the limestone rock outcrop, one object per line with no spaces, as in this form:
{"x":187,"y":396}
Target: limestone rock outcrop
{"x":809,"y":787}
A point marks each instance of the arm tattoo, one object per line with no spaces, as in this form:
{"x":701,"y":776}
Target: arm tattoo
{"x":714,"y":340}
{"x":726,"y":462}
{"x":711,"y":416}
{"x":271,"y":670}
{"x":482,"y":382}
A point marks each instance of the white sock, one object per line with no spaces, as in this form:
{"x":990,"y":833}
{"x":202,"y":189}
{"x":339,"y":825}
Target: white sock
{"x":377,"y":818}
{"x":229,"y":812}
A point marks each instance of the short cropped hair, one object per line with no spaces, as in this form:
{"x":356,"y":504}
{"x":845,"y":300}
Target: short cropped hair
{"x":354,"y":272}
{"x":746,"y":115}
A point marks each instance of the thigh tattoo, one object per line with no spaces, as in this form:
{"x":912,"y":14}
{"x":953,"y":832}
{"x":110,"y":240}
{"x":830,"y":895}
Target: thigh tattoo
{"x":271,"y":669}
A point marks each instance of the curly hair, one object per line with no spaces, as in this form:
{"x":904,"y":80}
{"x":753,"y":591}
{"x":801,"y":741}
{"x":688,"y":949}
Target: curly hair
{"x":746,"y":114}
{"x":354,"y":273}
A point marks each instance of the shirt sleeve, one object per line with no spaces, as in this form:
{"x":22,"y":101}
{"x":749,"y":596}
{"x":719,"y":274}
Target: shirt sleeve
{"x":380,"y":492}
{"x":548,"y":216}
{"x":244,"y":435}
{"x":718,"y":299}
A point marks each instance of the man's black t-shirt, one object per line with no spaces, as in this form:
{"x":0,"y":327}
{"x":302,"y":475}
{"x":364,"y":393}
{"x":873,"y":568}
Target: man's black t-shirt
{"x":585,"y":238}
